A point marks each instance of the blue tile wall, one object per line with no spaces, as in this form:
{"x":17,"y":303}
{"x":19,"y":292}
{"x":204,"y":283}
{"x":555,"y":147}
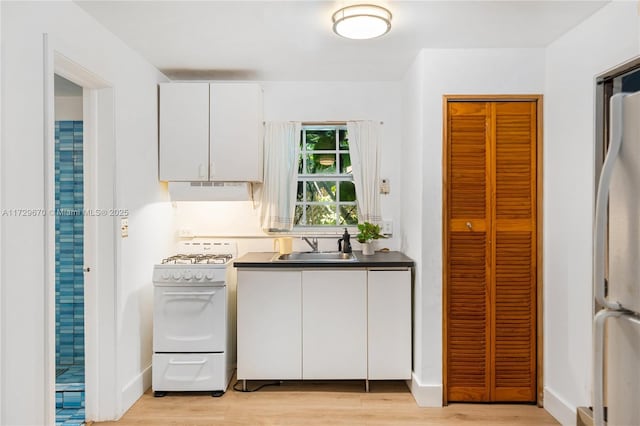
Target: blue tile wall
{"x":69,"y":243}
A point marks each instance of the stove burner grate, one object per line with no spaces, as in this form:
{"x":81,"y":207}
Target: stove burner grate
{"x":197,"y":259}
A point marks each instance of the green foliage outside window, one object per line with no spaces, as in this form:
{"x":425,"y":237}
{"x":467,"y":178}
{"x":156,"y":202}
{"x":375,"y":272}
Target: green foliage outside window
{"x":326,"y":194}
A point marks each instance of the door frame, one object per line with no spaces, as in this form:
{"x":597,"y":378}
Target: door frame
{"x":539,"y":228}
{"x":100,"y":284}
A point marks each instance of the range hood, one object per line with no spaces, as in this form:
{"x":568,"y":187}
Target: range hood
{"x":210,"y":191}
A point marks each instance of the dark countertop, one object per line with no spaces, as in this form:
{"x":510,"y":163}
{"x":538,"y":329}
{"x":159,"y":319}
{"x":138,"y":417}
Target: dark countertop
{"x":379,"y":259}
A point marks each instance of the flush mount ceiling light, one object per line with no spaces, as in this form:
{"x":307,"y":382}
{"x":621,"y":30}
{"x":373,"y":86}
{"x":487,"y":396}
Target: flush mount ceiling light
{"x":362,"y":21}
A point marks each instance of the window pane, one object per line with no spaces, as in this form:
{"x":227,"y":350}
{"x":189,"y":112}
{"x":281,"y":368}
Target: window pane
{"x":321,"y":163}
{"x":348,"y":215}
{"x":344,"y":140}
{"x":300,"y":166}
{"x":321,"y":215}
{"x":299,"y":193}
{"x":345,"y":163}
{"x":297,"y":216}
{"x":321,"y":191}
{"x":347,"y":191}
{"x":321,"y":140}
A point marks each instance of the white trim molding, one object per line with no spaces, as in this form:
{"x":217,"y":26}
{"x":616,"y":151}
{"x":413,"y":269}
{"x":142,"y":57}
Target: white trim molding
{"x":426,"y":395}
{"x":560,"y":409}
{"x":2,"y":280}
{"x":48,"y":252}
{"x":133,"y":390}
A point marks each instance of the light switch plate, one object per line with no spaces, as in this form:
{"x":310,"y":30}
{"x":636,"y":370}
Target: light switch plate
{"x":385,"y":186}
{"x":387,"y":227}
{"x":124,"y":227}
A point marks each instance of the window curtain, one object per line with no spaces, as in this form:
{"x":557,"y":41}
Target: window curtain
{"x":278,"y":198}
{"x":364,"y":150}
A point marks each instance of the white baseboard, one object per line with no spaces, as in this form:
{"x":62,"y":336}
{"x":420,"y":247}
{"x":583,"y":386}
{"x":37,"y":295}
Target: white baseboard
{"x":559,"y":408}
{"x":133,"y":390}
{"x":425,"y":395}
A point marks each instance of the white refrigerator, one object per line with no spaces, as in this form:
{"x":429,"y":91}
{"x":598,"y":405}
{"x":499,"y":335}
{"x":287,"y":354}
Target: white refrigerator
{"x":616,"y":376}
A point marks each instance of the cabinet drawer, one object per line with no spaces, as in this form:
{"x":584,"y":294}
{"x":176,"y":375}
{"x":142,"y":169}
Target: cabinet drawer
{"x":189,"y":372}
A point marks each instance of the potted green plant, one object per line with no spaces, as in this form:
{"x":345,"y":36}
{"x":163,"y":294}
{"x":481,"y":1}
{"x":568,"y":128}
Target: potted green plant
{"x":368,"y":233}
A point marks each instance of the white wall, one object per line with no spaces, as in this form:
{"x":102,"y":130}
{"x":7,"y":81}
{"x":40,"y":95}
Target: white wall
{"x":412,"y":201}
{"x":78,"y":37}
{"x":448,"y":71}
{"x":601,"y":42}
{"x":313,"y":101}
{"x":68,"y":108}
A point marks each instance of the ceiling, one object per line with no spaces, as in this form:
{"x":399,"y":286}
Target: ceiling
{"x":293,"y":40}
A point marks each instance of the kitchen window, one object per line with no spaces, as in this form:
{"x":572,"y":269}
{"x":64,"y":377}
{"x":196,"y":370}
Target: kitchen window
{"x":326,"y":194}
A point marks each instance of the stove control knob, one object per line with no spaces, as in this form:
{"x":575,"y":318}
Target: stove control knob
{"x":187,"y":275}
{"x":176,"y":275}
{"x":209,"y":276}
{"x":198,"y":275}
{"x":165,"y":275}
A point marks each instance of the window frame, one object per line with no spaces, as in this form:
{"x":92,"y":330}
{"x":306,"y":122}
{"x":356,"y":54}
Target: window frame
{"x":336,"y":177}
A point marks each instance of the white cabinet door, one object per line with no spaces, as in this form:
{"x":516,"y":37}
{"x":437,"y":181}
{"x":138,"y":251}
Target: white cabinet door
{"x":184,"y":131}
{"x":236,"y":132}
{"x":389,"y":325}
{"x":334,"y":324}
{"x":269,"y":324}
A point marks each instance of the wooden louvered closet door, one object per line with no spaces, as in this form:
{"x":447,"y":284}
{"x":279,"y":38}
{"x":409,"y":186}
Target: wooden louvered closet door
{"x":490,"y":269}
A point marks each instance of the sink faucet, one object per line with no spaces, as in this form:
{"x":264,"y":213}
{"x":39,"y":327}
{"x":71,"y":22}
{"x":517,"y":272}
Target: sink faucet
{"x":313,"y":243}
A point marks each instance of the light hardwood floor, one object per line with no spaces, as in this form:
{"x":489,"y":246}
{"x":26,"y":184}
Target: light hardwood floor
{"x":321,"y":403}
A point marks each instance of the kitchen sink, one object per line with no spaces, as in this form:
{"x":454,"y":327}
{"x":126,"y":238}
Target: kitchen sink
{"x":315,"y":256}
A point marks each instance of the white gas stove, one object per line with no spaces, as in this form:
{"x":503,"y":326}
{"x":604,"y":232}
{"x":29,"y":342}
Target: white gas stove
{"x":193,"y":317}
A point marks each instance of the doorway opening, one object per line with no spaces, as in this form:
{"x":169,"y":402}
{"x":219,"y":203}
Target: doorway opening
{"x":91,"y":256}
{"x":69,"y":253}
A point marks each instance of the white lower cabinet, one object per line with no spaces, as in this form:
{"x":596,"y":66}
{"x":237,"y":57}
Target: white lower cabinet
{"x":389,"y":324}
{"x":334,"y":324}
{"x":324,"y":324}
{"x":269,"y":324}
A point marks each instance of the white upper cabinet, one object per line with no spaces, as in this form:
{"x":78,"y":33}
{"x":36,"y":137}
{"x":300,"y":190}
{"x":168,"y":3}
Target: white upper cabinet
{"x":236,"y":132}
{"x":184,"y":131}
{"x":211,"y":132}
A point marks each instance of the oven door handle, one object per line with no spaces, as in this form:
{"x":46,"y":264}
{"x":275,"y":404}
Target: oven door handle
{"x":172,"y":362}
{"x":189,"y":293}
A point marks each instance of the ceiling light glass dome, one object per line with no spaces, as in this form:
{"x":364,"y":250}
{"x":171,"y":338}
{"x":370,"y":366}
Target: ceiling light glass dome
{"x":362,"y":21}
